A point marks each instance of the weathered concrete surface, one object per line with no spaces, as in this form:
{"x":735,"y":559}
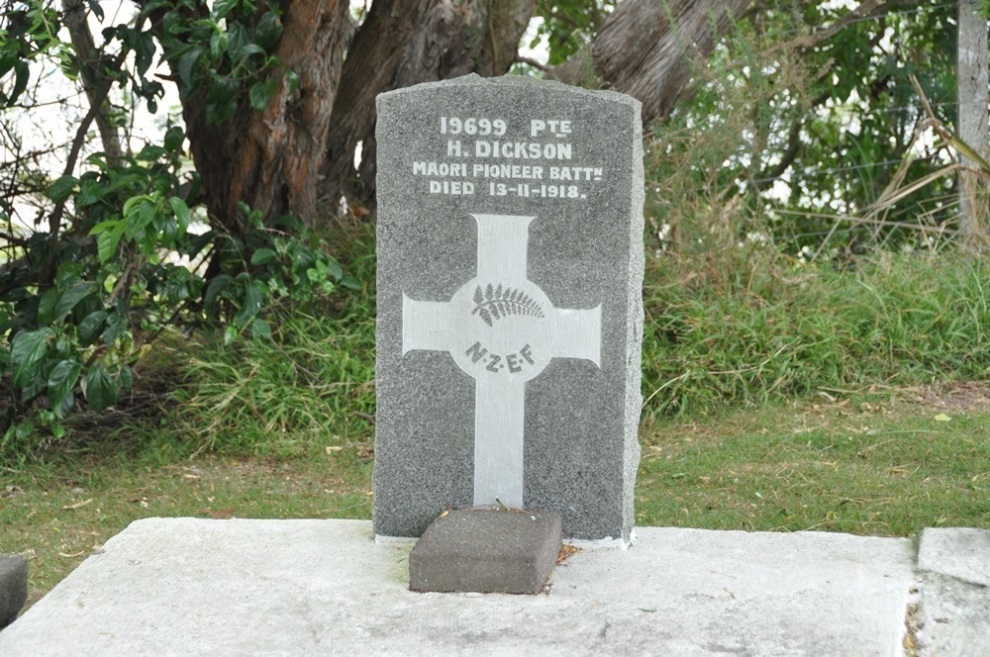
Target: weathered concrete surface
{"x":487,"y":551}
{"x":954,"y":606}
{"x":13,"y":587}
{"x":319,"y":587}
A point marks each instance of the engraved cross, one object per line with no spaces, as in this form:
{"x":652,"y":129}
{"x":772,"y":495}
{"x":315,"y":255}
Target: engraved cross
{"x":502,"y":330}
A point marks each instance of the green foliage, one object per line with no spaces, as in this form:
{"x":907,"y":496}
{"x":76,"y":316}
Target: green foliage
{"x":311,"y":384}
{"x":26,"y":32}
{"x":127,"y":247}
{"x":221,"y":53}
{"x":568,"y":26}
{"x":754,"y":328}
{"x":807,"y":140}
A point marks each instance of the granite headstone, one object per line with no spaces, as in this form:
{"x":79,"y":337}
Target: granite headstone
{"x":510,"y":266}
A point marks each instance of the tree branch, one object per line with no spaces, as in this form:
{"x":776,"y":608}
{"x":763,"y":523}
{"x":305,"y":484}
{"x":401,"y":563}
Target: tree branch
{"x":55,"y":219}
{"x":765,"y":179}
{"x":93,"y":75}
{"x":531,"y":62}
{"x":866,"y":10}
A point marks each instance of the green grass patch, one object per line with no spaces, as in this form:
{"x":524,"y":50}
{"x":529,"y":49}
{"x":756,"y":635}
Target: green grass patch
{"x":310,"y":387}
{"x":884,"y":471}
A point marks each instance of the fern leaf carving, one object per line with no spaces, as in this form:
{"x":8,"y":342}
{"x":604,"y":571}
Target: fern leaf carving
{"x":493,"y":303}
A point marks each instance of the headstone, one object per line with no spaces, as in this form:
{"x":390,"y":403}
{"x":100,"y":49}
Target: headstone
{"x":510,"y":266}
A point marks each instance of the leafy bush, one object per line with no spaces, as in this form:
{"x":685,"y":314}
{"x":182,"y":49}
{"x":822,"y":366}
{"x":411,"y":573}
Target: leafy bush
{"x":127,"y":246}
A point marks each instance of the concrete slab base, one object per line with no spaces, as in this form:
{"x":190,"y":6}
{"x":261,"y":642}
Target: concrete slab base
{"x":189,"y":587}
{"x":486,"y":551}
{"x":954,"y":606}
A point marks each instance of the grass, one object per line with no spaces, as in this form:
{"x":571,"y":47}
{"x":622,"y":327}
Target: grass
{"x":877,"y":468}
{"x":250,"y":398}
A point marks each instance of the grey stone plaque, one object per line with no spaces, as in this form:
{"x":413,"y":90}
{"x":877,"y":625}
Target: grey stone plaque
{"x":510,"y":267}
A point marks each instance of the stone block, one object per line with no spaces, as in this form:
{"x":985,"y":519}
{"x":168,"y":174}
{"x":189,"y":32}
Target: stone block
{"x":486,"y":551}
{"x":13,"y":587}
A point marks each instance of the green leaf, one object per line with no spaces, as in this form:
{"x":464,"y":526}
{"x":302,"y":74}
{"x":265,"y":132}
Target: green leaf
{"x":94,"y":6}
{"x":150,"y":153}
{"x":144,"y":49}
{"x":188,"y":62}
{"x":61,"y":189}
{"x":21,"y":78}
{"x":350,"y":283}
{"x":292,"y":81}
{"x":261,"y":329}
{"x":90,"y":192}
{"x":89,"y":329}
{"x":263,"y":257}
{"x":262,"y":93}
{"x":223,"y":7}
{"x":99,"y":388}
{"x":116,"y":326}
{"x":335,"y":269}
{"x":107,"y":241}
{"x":173,"y":139}
{"x":218,"y":45}
{"x":125,"y":379}
{"x":61,"y":381}
{"x":68,"y":299}
{"x":181,"y":212}
{"x":246,"y":51}
{"x":139,"y":213}
{"x":229,"y":335}
{"x":268,"y":31}
{"x":153,"y":5}
{"x":46,"y":306}
{"x":254,"y":295}
{"x":27,"y":352}
{"x":216,"y":286}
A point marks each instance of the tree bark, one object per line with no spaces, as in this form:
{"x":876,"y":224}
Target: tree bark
{"x":93,"y":76}
{"x":646,"y":49}
{"x":271,"y":159}
{"x":971,"y":79}
{"x":406,"y":42}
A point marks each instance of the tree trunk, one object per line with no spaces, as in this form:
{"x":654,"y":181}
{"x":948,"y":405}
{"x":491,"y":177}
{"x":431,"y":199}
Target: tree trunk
{"x":406,"y":42}
{"x":297,"y":156}
{"x":971,"y":78}
{"x":271,"y":159}
{"x":646,"y":49}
